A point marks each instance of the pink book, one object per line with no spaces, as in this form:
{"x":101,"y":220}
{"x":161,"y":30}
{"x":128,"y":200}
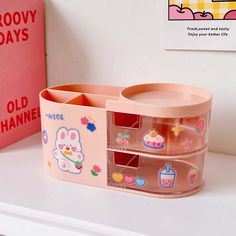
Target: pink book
{"x":22,"y":68}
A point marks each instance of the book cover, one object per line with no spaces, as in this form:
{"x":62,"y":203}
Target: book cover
{"x":22,"y":68}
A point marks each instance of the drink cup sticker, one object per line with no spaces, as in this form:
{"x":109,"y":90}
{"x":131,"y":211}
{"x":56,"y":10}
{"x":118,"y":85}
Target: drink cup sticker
{"x":153,"y":140}
{"x":167,"y":176}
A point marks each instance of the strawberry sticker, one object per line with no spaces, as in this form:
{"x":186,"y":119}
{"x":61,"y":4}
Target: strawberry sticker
{"x":122,"y":139}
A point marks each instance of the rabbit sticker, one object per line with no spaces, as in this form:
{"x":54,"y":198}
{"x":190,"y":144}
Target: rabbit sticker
{"x":68,"y":151}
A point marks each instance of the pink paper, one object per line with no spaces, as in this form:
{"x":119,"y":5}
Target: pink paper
{"x":22,"y":68}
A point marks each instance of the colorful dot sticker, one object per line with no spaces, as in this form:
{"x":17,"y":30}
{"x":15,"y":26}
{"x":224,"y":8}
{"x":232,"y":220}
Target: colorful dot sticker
{"x":129,"y":179}
{"x":89,"y":123}
{"x":45,"y":137}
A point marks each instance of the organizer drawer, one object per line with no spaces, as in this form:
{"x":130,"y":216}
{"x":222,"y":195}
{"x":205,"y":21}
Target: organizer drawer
{"x":162,"y":136}
{"x":156,"y":174}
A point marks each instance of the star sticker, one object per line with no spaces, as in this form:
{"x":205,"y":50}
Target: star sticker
{"x":91,"y":119}
{"x":177,"y":130}
{"x":84,"y":121}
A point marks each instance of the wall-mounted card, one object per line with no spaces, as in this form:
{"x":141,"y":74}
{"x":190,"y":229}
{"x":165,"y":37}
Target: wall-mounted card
{"x":200,"y":24}
{"x":22,"y":68}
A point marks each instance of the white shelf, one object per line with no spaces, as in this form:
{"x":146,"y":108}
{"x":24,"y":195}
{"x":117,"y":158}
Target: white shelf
{"x":28,"y":194}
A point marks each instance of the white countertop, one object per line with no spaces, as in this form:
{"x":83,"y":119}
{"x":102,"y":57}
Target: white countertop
{"x":28,"y":194}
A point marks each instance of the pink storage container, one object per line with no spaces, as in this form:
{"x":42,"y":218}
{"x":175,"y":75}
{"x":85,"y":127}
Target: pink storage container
{"x":147,"y":139}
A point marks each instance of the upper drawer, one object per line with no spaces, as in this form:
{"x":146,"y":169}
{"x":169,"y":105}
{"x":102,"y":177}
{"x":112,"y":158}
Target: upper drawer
{"x":163,"y":136}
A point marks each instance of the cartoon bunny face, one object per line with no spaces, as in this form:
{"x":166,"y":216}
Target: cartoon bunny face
{"x":68,"y":141}
{"x":68,"y":151}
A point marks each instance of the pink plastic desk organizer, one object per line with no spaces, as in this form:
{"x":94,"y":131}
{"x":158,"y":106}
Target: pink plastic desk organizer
{"x":147,"y":139}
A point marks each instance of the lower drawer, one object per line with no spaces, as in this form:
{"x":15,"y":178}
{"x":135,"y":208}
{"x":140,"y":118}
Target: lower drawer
{"x":162,"y":175}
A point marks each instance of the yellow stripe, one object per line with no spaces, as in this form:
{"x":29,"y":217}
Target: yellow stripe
{"x":218,"y":9}
{"x":186,"y":2}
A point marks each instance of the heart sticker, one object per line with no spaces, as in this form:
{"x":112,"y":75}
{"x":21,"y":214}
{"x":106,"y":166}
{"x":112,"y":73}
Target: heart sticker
{"x":117,"y":177}
{"x":140,"y":181}
{"x":129,"y":179}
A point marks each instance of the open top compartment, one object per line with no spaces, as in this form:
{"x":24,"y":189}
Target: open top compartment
{"x":90,"y":89}
{"x":58,"y":96}
{"x":90,"y":100}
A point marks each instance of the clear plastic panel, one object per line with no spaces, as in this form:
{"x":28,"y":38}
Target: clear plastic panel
{"x":155,"y":174}
{"x":162,"y":136}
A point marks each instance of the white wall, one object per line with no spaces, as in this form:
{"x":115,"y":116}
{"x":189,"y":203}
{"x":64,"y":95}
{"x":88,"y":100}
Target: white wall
{"x":120,"y":42}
